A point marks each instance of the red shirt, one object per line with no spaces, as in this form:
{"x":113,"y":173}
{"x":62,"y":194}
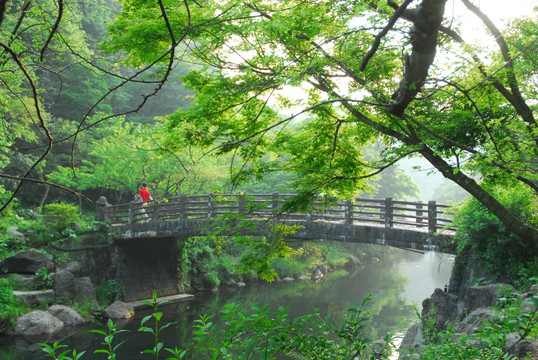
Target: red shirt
{"x":145,"y":194}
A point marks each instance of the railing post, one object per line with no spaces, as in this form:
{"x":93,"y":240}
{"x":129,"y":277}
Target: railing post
{"x":241,"y":204}
{"x":102,"y":207}
{"x":274,"y":204}
{"x":131,"y":212}
{"x":156,"y":210}
{"x":348,"y":212}
{"x":210,"y":210}
{"x":388,"y":213}
{"x":419,"y":214}
{"x":183,"y":207}
{"x":432,"y":218}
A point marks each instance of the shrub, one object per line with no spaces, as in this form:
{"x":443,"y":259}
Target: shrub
{"x":289,"y":267}
{"x":43,"y":279}
{"x":10,"y":308}
{"x":64,"y":214}
{"x":107,"y":292}
{"x":502,"y":253}
{"x":199,"y":263}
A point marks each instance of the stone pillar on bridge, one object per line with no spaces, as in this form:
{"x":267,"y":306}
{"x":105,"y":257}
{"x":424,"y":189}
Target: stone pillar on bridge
{"x":241,"y":204}
{"x":348,"y":213}
{"x":275,"y":208}
{"x":419,"y":213}
{"x":432,"y":219}
{"x":388,"y":211}
{"x":182,"y":207}
{"x":210,"y":211}
{"x":101,"y":209}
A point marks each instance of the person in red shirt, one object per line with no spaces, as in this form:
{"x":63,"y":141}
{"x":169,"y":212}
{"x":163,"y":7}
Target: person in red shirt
{"x":144,"y":193}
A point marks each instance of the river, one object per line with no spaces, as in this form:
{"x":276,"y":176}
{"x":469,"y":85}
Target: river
{"x":398,"y":281}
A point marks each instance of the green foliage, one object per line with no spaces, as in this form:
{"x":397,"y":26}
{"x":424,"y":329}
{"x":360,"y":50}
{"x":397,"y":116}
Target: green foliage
{"x":10,"y":308}
{"x":198,"y":263}
{"x":109,"y":335}
{"x":43,"y":280}
{"x":63,"y":214}
{"x":301,"y":101}
{"x":264,"y":334}
{"x":502,"y":253}
{"x":87,"y":310}
{"x":156,"y":330}
{"x":54,"y":351}
{"x":107,"y":292}
{"x":10,"y":245}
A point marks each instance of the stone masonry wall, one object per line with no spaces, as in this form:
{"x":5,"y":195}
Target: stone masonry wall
{"x":147,"y":265}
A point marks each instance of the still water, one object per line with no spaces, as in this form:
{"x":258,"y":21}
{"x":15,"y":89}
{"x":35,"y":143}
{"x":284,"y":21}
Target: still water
{"x":397,"y":280}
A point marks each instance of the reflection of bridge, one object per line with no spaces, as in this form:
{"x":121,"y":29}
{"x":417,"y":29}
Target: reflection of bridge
{"x":403,"y":224}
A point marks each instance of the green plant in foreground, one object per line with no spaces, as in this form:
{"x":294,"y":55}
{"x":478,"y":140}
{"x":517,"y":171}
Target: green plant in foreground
{"x":156,"y":330}
{"x":10,"y":308}
{"x":265,"y":335}
{"x":108,"y":341}
{"x":261,"y":335}
{"x":52,"y":349}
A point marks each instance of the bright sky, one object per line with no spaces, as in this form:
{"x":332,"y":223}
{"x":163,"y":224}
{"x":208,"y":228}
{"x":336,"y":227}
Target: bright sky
{"x":499,"y":11}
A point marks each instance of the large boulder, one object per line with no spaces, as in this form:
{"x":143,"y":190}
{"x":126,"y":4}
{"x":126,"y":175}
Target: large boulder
{"x":322,"y":268}
{"x":475,"y":319}
{"x":442,"y":306}
{"x":84,"y":291}
{"x":73,"y":267}
{"x":38,"y":322}
{"x":482,"y":296}
{"x":63,"y":284}
{"x":524,"y":349}
{"x":119,"y":310}
{"x":67,"y":315}
{"x":27,"y":262}
{"x":412,"y":341}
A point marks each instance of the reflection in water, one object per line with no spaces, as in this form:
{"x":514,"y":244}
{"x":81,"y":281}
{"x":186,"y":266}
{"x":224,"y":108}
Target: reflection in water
{"x":397,"y":282}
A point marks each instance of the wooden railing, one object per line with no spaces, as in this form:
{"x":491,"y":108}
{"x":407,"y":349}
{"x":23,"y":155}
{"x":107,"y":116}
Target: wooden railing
{"x":388,"y":213}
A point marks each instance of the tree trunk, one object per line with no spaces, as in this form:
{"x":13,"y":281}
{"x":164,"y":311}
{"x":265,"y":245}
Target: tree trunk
{"x":44,"y":197}
{"x":427,"y":18}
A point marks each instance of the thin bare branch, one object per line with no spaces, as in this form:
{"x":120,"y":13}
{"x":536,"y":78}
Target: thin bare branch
{"x":23,"y":179}
{"x":39,"y":115}
{"x":54,"y":28}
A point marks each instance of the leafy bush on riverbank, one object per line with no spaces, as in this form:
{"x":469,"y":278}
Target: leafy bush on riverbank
{"x":501,"y":252}
{"x":10,"y":308}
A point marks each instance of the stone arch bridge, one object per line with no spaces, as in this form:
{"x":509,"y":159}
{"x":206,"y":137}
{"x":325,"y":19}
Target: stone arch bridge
{"x":147,"y":233}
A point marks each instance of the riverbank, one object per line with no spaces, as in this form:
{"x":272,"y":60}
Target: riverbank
{"x":467,"y":320}
{"x":388,"y":279}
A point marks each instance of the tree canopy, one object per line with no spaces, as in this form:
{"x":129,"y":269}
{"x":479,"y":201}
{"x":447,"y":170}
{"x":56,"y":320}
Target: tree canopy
{"x":316,"y":82}
{"x":306,"y":86}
